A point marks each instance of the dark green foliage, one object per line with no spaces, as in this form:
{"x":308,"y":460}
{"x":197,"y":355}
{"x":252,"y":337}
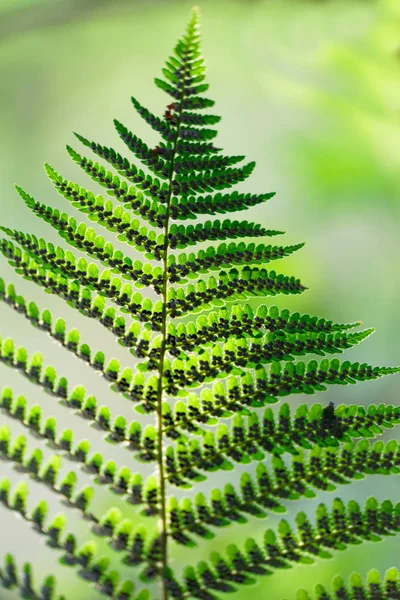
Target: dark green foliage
{"x":35,"y":461}
{"x":20,"y":497}
{"x":10,"y":569}
{"x":137,"y":546}
{"x":4,"y":440}
{"x":56,"y":527}
{"x":83,"y":498}
{"x":19,"y":408}
{"x":6,"y":399}
{"x":255,"y":496}
{"x":39,"y":514}
{"x":254,"y":439}
{"x":99,"y":567}
{"x":104,"y":417}
{"x":51,"y":470}
{"x":86,"y":553}
{"x":34,"y":418}
{"x":49,"y":429}
{"x":65,"y":439}
{"x":109,"y":582}
{"x":213,"y":259}
{"x":203,"y":357}
{"x":68,"y":483}
{"x":81,"y":451}
{"x":108,"y":471}
{"x":95,"y":462}
{"x":4,"y":490}
{"x":122,"y":533}
{"x":23,"y":578}
{"x":27,"y":582}
{"x":122,"y":479}
{"x":335,"y":529}
{"x":18,"y":448}
{"x":124,"y":590}
{"x":110,"y":520}
{"x":48,"y":588}
{"x":373,"y":587}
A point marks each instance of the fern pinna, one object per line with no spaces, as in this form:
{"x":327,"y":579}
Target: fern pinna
{"x":209,"y":368}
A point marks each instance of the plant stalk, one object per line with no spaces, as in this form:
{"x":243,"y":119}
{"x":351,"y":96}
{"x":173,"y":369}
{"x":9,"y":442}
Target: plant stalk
{"x":160,"y":429}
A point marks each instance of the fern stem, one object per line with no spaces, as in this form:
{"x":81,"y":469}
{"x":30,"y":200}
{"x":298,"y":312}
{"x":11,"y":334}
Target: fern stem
{"x":160,"y":436}
{"x":163,"y":350}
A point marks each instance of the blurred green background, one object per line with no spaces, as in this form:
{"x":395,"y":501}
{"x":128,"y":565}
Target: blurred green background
{"x":310,"y":89}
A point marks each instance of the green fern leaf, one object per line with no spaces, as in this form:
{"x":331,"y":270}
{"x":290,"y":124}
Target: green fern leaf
{"x":373,"y":587}
{"x":207,"y":357}
{"x":105,"y":214}
{"x":211,"y":258}
{"x":181,"y":236}
{"x":117,"y":188}
{"x":333,"y":530}
{"x":189,"y":207}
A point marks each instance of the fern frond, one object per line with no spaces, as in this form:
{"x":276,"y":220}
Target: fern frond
{"x":12,"y":577}
{"x":184,"y":148}
{"x":336,"y":529}
{"x":153,"y":188}
{"x":81,"y":297}
{"x":220,"y":451}
{"x":197,"y":103}
{"x":282,"y":432}
{"x":151,"y":157}
{"x":159,"y":125}
{"x":189,"y":207}
{"x":239,"y":357}
{"x":133,"y":335}
{"x":321,"y":470}
{"x":110,"y":524}
{"x":131,"y":385}
{"x":280,"y":379}
{"x":181,"y":236}
{"x":123,"y":166}
{"x":64,"y":263}
{"x":198,"y":119}
{"x":254,"y":352}
{"x":104,"y":213}
{"x":374,"y":587}
{"x":187,"y":265}
{"x":86,"y":239}
{"x":129,"y":334}
{"x":142,"y":442}
{"x":156,"y":159}
{"x":14,"y":450}
{"x":166,"y":131}
{"x":230,"y":286}
{"x":211,"y":180}
{"x":86,"y":556}
{"x":242,"y":321}
{"x":209,"y":163}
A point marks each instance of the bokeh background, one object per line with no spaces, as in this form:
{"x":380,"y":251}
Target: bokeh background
{"x":310,"y":89}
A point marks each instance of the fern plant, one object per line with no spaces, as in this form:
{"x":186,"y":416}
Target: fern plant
{"x":209,"y":366}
